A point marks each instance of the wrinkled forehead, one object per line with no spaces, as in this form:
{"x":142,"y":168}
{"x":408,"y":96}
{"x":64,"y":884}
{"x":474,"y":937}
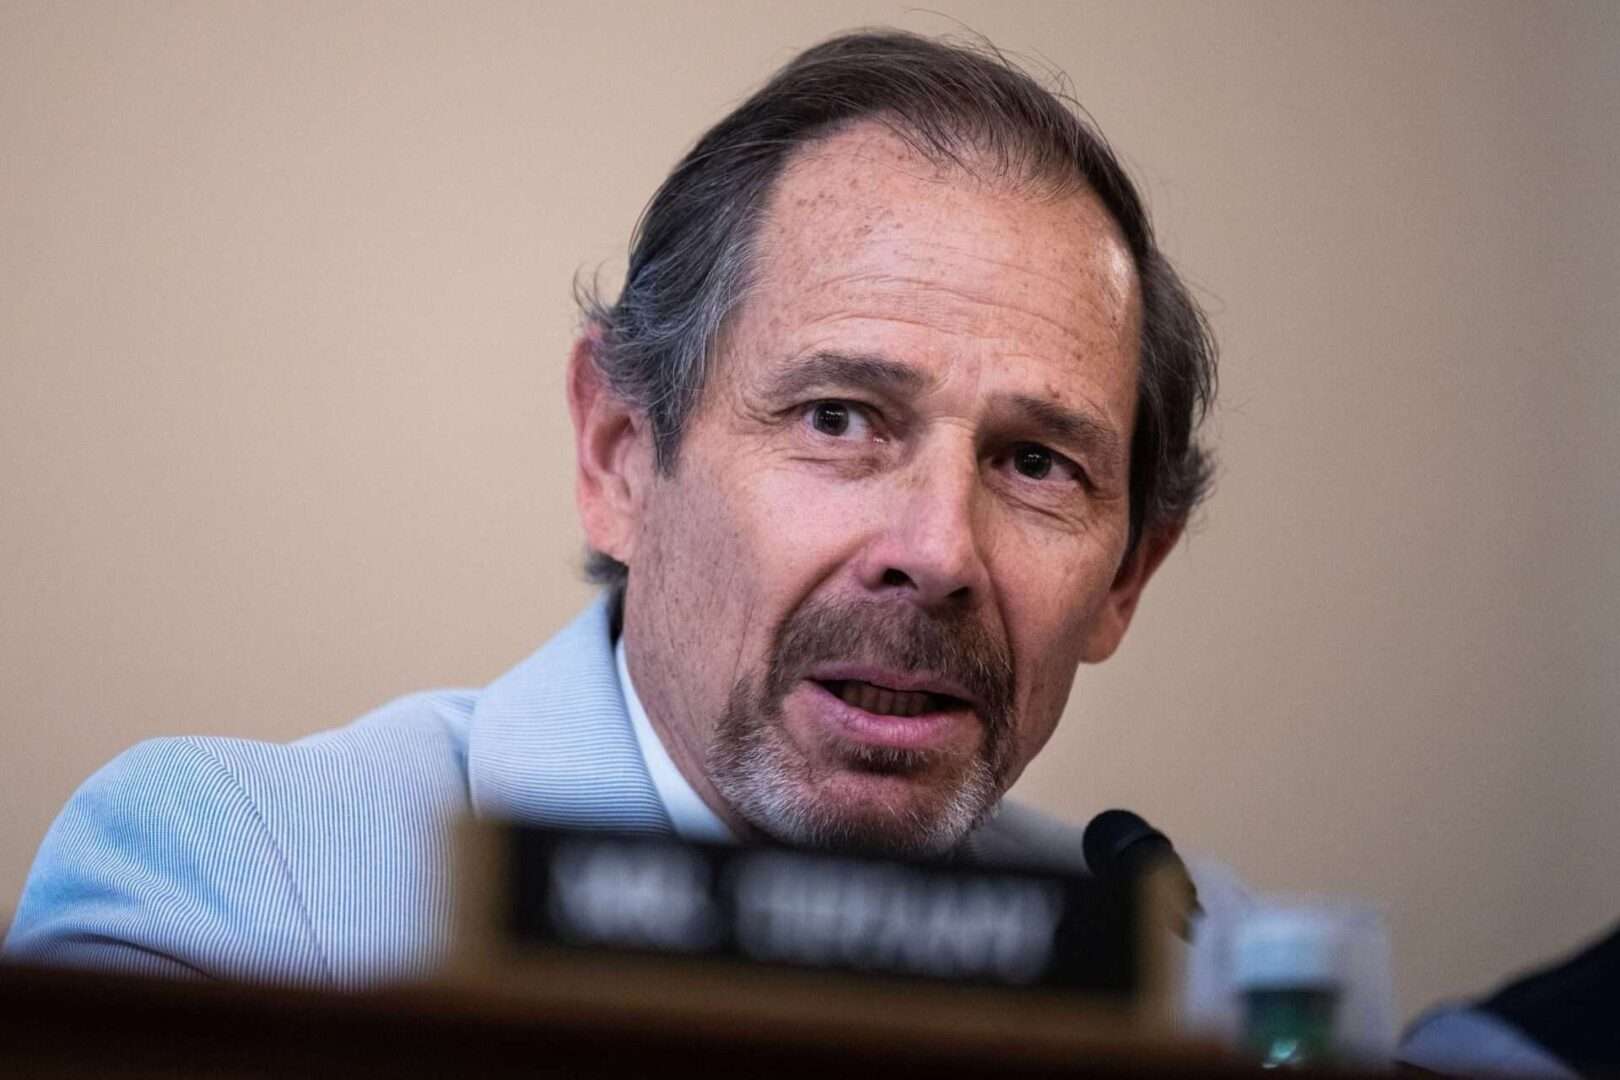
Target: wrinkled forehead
{"x":862,"y":221}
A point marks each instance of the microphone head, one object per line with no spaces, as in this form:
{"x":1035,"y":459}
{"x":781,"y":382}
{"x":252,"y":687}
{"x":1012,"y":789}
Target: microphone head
{"x":1117,"y":841}
{"x":1119,"y":844}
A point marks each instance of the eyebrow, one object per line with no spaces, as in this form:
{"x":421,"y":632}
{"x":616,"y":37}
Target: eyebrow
{"x":1061,"y":424}
{"x":846,"y":369}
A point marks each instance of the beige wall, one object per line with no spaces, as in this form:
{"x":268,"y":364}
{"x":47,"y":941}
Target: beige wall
{"x":284,"y":301}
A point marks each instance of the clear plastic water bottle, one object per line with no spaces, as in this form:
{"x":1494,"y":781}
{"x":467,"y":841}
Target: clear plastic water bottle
{"x":1289,"y":967}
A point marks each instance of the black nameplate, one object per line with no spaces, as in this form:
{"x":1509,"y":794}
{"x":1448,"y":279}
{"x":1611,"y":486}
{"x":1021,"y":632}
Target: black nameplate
{"x":787,"y":908}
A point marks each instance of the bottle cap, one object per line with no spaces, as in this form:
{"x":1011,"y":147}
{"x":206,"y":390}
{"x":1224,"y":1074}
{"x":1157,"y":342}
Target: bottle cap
{"x":1287,"y":948}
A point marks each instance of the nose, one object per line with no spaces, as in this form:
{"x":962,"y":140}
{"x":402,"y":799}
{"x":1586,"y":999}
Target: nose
{"x":929,"y":545}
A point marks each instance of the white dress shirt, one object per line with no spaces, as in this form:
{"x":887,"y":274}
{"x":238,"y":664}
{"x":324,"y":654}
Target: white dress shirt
{"x":691,"y":816}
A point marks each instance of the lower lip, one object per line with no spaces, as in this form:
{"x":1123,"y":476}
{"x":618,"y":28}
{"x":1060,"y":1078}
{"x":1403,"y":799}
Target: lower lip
{"x":926,"y":731}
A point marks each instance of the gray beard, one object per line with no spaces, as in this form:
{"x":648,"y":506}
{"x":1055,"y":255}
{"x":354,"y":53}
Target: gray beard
{"x":766,"y":781}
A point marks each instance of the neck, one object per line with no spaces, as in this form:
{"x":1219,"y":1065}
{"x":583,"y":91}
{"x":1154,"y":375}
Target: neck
{"x":684,"y":751}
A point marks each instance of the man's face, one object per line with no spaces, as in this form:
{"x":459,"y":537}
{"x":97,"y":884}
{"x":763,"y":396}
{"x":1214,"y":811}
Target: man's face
{"x":900,"y":512}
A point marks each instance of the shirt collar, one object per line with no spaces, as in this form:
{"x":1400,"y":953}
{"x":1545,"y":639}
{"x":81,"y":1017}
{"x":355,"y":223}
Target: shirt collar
{"x":691,"y":816}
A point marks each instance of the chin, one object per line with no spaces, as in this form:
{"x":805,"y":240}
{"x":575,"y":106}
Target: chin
{"x":880,"y":807}
{"x":819,"y":751}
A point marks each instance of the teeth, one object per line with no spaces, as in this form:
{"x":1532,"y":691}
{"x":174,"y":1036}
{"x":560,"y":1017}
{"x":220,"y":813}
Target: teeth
{"x":876,"y":699}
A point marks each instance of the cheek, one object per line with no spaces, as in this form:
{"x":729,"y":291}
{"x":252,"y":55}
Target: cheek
{"x":690,"y":577}
{"x":1051,"y":597}
{"x":1049,"y":680}
{"x":731,"y":549}
{"x":706,"y":541}
{"x":800,"y":528}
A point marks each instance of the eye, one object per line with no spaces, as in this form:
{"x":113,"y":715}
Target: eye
{"x":830,"y":417}
{"x":1032,"y":460}
{"x":836,"y":419}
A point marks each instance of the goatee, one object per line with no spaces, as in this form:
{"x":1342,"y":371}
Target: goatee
{"x":766,"y":779}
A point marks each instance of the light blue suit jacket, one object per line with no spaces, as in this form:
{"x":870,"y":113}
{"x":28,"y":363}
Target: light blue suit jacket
{"x":327,"y":860}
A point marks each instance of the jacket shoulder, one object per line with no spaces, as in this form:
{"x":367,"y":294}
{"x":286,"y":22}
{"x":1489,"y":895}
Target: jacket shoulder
{"x":315,"y":861}
{"x":160,"y":864}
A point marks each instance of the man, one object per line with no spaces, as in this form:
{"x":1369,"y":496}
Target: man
{"x":889,"y":427}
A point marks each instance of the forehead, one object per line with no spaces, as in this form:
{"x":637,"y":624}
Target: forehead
{"x":864,"y":234}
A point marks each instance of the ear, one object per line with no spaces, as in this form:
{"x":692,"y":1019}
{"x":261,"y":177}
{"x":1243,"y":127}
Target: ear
{"x":1115,"y":617}
{"x":613,"y":451}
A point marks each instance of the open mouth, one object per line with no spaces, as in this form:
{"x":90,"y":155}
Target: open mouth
{"x":884,"y":701}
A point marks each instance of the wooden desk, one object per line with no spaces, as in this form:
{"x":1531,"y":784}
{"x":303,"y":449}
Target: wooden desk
{"x":72,"y":1024}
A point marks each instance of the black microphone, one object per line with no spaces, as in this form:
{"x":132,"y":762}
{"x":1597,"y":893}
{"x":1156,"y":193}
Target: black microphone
{"x":1120,"y":845}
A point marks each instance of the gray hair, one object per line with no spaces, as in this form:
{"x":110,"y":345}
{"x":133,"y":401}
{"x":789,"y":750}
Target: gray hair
{"x":968,"y":106}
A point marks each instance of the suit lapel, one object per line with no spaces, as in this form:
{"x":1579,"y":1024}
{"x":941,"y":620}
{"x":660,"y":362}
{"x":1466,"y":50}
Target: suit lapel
{"x":551,"y":743}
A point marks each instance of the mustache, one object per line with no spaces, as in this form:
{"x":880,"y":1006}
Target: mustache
{"x":953,"y":645}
